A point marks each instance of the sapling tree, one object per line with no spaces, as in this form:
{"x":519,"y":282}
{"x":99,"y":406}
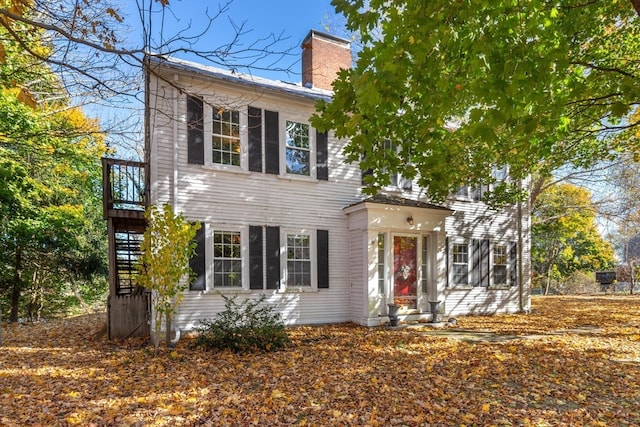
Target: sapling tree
{"x":163,"y":267}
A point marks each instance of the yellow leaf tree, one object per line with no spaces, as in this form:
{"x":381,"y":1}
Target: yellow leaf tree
{"x":166,"y":248}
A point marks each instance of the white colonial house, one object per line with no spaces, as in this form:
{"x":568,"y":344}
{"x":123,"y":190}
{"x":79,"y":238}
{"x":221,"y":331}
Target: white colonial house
{"x":284,"y":215}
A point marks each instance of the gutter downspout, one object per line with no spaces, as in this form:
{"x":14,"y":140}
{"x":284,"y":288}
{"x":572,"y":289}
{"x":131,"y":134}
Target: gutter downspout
{"x":521,"y":302}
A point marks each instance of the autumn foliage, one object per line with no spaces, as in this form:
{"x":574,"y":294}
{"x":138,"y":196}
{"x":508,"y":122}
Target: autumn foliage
{"x":574,"y":361}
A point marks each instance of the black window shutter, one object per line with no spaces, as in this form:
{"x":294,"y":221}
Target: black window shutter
{"x":256,"y":262}
{"x":513,"y":263}
{"x":476,"y":264}
{"x":255,"y":139}
{"x":323,"y":258}
{"x":446,"y":259}
{"x":271,"y":142}
{"x":195,"y":131}
{"x":366,"y":173}
{"x":273,"y":257}
{"x":484,"y":262}
{"x":197,"y":263}
{"x":322,"y":156}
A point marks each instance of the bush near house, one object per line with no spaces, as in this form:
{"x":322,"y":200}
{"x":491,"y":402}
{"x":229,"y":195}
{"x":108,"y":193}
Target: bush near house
{"x":242,"y":327}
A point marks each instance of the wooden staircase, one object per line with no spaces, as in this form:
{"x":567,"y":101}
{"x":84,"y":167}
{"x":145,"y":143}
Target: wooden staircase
{"x":125,"y":186}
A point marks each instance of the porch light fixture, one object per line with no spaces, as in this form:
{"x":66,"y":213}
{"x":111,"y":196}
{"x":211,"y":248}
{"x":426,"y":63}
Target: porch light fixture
{"x":410,"y":219}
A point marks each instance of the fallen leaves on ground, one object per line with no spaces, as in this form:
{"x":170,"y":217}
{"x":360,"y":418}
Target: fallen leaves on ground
{"x":573,"y":361}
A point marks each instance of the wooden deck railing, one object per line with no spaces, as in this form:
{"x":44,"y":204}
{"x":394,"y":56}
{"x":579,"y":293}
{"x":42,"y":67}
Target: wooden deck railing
{"x":125,"y":187}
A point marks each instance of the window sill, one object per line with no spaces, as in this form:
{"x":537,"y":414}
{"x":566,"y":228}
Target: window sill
{"x":301,"y":178}
{"x":221,"y":291}
{"x":499,"y":288}
{"x":227,"y":169}
{"x":298,"y":290}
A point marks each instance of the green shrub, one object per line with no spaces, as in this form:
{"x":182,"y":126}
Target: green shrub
{"x":243,"y":327}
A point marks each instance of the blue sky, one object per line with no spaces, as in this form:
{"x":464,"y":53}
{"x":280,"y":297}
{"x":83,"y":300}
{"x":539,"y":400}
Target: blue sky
{"x":291,"y":19}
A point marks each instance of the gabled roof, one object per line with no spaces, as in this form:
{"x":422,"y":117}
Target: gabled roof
{"x":207,"y":71}
{"x":386,"y":199}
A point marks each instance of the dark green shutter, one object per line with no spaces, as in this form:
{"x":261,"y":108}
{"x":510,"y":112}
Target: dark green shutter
{"x":323,"y":258}
{"x":273,"y":257}
{"x":513,"y":263}
{"x":485,"y":254}
{"x":195,"y":131}
{"x":254,"y":123}
{"x":475,"y":262}
{"x":480,"y":262}
{"x":256,"y":261}
{"x":271,"y":142}
{"x":197,"y":262}
{"x":322,"y":156}
{"x":446,"y":259}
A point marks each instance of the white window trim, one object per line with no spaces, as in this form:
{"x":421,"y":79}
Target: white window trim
{"x":460,"y":241}
{"x":282,"y":129}
{"x":208,"y":134}
{"x":283,"y":260}
{"x":244,"y":253}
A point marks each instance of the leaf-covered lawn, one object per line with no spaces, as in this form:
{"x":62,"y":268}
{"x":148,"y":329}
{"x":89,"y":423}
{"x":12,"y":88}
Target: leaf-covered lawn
{"x":573,"y":361}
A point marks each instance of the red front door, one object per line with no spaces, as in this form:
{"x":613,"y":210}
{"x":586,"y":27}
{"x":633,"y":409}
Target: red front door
{"x":405,"y":280}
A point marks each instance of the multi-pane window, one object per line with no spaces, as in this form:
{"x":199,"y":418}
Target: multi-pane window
{"x":298,"y":148}
{"x":381,"y":264}
{"x":500,"y":263}
{"x":463,"y":191}
{"x":460,"y":255}
{"x":225,"y":138}
{"x":227,"y":259}
{"x":298,"y":260}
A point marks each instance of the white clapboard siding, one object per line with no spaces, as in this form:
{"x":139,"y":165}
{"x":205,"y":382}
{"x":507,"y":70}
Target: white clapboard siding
{"x":254,"y":198}
{"x":473,"y":220}
{"x":238,"y":199}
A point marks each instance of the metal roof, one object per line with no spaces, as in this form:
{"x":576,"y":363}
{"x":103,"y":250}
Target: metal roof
{"x":207,"y":71}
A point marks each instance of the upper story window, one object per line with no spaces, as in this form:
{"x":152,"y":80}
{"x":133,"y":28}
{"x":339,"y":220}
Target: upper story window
{"x":252,"y":139}
{"x":397,"y":182}
{"x":476,"y":193}
{"x":298,"y":148}
{"x":216,"y":135}
{"x":225,"y":137}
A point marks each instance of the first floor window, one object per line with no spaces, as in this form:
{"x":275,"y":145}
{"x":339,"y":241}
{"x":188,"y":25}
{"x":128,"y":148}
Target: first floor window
{"x":227,"y":259}
{"x":298,"y":260}
{"x":298,"y":148}
{"x":500,"y":263}
{"x":225,"y":139}
{"x":460,"y":254}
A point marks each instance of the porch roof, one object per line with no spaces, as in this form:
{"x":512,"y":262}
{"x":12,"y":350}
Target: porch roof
{"x":386,"y":199}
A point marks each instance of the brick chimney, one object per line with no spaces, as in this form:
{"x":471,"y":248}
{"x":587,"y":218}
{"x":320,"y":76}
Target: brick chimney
{"x":323,"y":55}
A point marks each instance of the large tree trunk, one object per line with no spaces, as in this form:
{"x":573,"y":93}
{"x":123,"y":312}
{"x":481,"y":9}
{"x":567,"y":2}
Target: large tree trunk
{"x":17,"y":286}
{"x":636,"y":6}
